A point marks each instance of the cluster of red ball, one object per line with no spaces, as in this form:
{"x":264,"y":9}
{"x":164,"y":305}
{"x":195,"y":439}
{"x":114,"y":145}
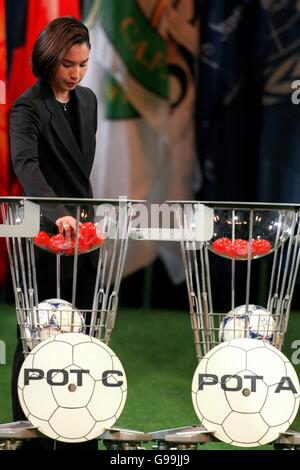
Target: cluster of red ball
{"x":88,"y":240}
{"x":238,"y":249}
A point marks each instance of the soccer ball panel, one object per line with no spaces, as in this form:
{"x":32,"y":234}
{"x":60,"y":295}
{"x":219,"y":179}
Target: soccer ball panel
{"x":38,"y":397}
{"x":210,"y":403}
{"x":246,"y":344}
{"x":72,"y":423}
{"x":54,"y":353}
{"x":73,"y":339}
{"x":219,"y":408}
{"x":244,"y":429}
{"x":251,"y":398}
{"x":284,"y":402}
{"x":43,"y":426}
{"x":233,"y":360}
{"x":217,"y":430}
{"x":273,"y":433}
{"x":79,"y":389}
{"x":94,"y":355}
{"x":106,"y":402}
{"x":265,"y":368}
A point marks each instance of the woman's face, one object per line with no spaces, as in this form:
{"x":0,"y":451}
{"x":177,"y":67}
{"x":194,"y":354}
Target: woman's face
{"x":72,"y":68}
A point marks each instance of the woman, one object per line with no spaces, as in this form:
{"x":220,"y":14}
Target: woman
{"x":52,"y":129}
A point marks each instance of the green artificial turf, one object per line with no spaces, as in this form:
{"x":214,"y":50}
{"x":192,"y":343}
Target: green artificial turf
{"x":157,"y":352}
{"x":8,"y":330}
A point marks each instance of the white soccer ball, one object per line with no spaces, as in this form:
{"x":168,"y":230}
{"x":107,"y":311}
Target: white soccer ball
{"x":253,"y":322}
{"x":262,"y":324}
{"x":233,"y":326}
{"x":72,"y":387}
{"x":246,"y":392}
{"x":52,"y":316}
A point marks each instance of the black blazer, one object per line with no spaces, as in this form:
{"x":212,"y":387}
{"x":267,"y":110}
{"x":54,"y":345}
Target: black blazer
{"x":46,"y":157}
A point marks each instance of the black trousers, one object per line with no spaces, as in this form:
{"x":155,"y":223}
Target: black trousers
{"x":84,"y":300}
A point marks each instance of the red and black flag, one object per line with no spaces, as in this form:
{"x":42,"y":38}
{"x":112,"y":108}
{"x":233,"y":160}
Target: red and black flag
{"x":25,"y":20}
{"x":20,"y":23}
{"x":4,"y":155}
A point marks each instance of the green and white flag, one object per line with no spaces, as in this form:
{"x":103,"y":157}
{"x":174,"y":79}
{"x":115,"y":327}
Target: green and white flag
{"x":145,"y":89}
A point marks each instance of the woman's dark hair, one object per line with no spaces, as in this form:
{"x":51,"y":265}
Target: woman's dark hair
{"x":54,"y":42}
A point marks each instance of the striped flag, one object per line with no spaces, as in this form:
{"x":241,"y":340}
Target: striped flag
{"x":3,"y":108}
{"x":141,"y":69}
{"x":26,"y":19}
{"x":4,"y":175}
{"x":22,"y":20}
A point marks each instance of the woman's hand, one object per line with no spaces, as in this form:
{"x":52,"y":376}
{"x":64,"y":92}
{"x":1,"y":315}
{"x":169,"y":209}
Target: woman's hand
{"x":66,"y":225}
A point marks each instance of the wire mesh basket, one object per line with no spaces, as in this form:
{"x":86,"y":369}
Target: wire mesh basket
{"x":249,"y":267}
{"x":88,"y":263}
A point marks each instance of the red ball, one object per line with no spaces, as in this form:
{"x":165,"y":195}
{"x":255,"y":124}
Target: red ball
{"x":57,"y":243}
{"x":88,"y":230}
{"x":42,"y":239}
{"x":69,"y":247}
{"x":240,"y":248}
{"x":261,"y":247}
{"x":221,"y":245}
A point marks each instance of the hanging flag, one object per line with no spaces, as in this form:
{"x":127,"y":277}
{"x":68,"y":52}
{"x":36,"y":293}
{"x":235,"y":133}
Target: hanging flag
{"x":279,"y":171}
{"x":4,"y":174}
{"x":3,"y":108}
{"x":141,"y":69}
{"x":26,"y":19}
{"x":18,"y":69}
{"x":228,"y":104}
{"x":248,"y":126}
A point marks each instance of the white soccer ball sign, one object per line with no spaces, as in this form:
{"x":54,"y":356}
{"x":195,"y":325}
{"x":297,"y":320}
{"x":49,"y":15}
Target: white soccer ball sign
{"x":72,"y":387}
{"x":246,"y":392}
